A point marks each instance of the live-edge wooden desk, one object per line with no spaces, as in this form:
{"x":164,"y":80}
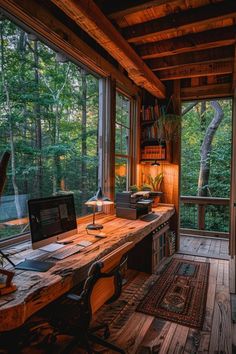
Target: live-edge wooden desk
{"x":35,"y":290}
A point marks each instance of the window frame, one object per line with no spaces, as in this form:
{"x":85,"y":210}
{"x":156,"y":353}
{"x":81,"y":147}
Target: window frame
{"x":130,"y":137}
{"x":25,"y":235}
{"x":107,"y":93}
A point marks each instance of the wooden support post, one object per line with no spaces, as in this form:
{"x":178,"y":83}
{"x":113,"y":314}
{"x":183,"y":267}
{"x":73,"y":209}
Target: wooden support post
{"x":109,"y":146}
{"x":201,"y":217}
{"x":177,"y":162}
{"x":232,"y":241}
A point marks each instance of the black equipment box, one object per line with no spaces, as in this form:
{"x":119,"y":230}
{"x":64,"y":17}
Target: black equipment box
{"x":132,"y":206}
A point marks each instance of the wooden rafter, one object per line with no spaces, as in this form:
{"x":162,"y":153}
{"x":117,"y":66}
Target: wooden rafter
{"x":206,"y":91}
{"x":117,"y":9}
{"x":89,"y":17}
{"x":213,"y":54}
{"x":181,"y":21}
{"x":193,"y":70}
{"x":189,"y":43}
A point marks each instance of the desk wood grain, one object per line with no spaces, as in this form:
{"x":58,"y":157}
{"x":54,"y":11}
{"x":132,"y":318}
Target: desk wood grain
{"x":35,"y":290}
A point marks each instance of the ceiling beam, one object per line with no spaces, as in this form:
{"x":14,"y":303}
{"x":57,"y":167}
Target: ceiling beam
{"x":89,"y":17}
{"x":118,"y":9}
{"x":193,"y":70}
{"x":191,"y":42}
{"x":48,"y":27}
{"x":208,"y":55}
{"x":206,"y":91}
{"x":181,"y":21}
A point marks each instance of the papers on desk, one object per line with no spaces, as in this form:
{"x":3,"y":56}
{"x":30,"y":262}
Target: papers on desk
{"x":145,"y":201}
{"x":84,"y":243}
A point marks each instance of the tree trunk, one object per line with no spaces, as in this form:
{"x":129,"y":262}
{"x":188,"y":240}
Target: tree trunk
{"x":205,"y":151}
{"x":84,"y":140}
{"x":203,"y":116}
{"x":38,"y":128}
{"x":22,"y":71}
{"x":10,"y":124}
{"x":57,"y":162}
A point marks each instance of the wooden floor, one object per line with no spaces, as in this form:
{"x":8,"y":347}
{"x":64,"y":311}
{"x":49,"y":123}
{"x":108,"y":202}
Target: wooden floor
{"x":204,"y":247}
{"x":139,"y":333}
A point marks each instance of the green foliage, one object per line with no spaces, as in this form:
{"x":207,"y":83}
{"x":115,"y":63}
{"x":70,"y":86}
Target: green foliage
{"x":194,"y":125}
{"x":154,"y":183}
{"x":120,"y":183}
{"x":42,"y":107}
{"x":134,"y":188}
{"x":169,"y":126}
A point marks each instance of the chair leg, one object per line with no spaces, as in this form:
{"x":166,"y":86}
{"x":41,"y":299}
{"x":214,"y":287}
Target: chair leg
{"x":98,"y":327}
{"x":104,"y":326}
{"x":105,"y":344}
{"x":82,"y":342}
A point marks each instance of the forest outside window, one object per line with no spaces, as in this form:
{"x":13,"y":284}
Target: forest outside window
{"x":49,"y":123}
{"x":122,"y":142}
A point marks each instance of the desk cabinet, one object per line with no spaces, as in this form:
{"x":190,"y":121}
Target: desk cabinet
{"x":147,"y":254}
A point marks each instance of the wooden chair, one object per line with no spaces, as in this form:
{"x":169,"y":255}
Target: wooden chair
{"x":103,"y":285}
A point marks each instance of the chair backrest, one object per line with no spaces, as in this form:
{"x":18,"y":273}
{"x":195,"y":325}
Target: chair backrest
{"x":104,"y":280}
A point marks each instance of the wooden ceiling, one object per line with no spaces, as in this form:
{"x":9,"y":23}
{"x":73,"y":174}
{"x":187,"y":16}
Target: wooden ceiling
{"x":159,"y":41}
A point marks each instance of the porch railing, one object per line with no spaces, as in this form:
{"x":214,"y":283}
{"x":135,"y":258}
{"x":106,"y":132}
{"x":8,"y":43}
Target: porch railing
{"x":205,"y":216}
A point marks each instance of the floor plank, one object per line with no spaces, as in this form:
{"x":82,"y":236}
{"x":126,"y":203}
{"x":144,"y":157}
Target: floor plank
{"x":142,"y":334}
{"x":204,"y":247}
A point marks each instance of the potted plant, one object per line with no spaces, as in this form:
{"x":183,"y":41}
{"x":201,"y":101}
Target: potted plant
{"x":134,"y":188}
{"x":153,"y":185}
{"x":169,"y":126}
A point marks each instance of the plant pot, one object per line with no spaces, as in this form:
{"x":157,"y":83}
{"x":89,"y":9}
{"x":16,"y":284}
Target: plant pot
{"x":156,"y":200}
{"x":3,"y":279}
{"x":156,"y":195}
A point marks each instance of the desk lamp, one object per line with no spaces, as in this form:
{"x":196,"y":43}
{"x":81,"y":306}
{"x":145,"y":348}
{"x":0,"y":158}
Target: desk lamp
{"x":97,"y":200}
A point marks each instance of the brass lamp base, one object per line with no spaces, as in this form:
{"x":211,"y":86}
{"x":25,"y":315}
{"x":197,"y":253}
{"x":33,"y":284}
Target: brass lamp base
{"x":94,"y":227}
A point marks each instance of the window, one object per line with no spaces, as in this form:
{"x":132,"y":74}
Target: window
{"x":122,"y":142}
{"x":49,"y":122}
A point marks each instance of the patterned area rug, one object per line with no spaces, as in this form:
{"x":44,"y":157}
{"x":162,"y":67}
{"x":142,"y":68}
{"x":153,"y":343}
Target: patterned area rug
{"x":179,"y":295}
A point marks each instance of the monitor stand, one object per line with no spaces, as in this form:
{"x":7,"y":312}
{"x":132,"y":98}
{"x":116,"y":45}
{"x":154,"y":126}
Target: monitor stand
{"x":29,"y":264}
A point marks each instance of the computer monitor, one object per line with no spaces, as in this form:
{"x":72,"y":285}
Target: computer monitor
{"x":51,"y":219}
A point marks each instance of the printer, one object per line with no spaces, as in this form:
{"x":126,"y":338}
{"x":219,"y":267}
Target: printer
{"x":132,"y":205}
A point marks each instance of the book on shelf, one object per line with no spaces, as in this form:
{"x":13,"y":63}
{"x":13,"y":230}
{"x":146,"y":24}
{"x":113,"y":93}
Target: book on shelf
{"x":150,"y":132}
{"x":156,"y":152}
{"x":150,"y":113}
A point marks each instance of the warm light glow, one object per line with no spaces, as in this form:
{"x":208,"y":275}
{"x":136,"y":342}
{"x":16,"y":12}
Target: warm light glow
{"x":120,"y":170}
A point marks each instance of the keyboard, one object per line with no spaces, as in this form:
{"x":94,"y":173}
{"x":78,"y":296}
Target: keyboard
{"x":35,"y":254}
{"x":67,"y":252}
{"x":52,"y":247}
{"x":149,"y":217}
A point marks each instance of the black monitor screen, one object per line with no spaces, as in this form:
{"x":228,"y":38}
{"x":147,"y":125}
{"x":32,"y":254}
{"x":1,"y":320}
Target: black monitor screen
{"x":51,"y":216}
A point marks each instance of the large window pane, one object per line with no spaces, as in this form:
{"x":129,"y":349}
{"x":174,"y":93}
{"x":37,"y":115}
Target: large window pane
{"x":49,"y":123}
{"x":121,"y":174}
{"x":122,"y":143}
{"x":122,"y":110}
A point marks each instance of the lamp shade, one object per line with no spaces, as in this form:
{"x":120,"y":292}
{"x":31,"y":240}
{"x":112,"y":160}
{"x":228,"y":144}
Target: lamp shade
{"x":99,"y":199}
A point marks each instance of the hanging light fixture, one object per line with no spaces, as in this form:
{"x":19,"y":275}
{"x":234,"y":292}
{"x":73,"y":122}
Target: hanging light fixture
{"x":155,"y":163}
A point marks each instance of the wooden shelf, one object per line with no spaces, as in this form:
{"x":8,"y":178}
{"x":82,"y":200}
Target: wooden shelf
{"x":146,"y":122}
